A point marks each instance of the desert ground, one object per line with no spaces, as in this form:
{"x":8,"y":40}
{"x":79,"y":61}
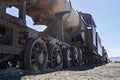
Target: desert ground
{"x":110,"y":71}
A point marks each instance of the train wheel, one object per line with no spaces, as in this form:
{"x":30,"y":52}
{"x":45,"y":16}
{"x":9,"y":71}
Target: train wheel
{"x":75,"y":56}
{"x":85,"y":56}
{"x":67,"y":58}
{"x":80,"y":56}
{"x":36,"y":56}
{"x":55,"y":57}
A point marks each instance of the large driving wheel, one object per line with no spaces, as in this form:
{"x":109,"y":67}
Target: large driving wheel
{"x":67,"y":58}
{"x":35,"y":57}
{"x":55,"y":57}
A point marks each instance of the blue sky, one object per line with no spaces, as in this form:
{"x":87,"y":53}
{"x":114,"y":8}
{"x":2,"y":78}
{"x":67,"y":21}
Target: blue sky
{"x":106,"y":14}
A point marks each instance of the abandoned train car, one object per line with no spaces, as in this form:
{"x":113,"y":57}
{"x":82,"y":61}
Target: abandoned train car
{"x":70,"y":38}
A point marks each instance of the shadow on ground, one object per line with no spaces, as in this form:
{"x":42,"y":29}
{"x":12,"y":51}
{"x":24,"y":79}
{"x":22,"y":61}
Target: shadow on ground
{"x":17,"y":74}
{"x":84,"y":67}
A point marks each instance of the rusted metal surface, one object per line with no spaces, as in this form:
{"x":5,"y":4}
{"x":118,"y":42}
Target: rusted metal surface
{"x":66,"y":28}
{"x":14,"y":27}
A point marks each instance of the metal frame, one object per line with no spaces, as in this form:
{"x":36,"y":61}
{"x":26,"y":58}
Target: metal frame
{"x":18,"y":26}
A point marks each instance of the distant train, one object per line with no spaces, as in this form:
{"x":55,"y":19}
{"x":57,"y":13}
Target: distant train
{"x":70,"y":38}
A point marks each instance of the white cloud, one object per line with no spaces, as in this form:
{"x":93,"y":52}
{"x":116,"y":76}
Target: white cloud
{"x":115,"y":52}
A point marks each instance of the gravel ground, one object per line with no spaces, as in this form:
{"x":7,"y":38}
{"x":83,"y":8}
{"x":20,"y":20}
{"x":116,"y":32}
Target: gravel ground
{"x":109,"y":71}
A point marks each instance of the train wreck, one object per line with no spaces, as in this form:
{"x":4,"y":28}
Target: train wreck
{"x":70,"y":38}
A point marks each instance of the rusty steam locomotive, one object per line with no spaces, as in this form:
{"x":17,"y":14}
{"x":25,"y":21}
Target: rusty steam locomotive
{"x":70,"y":38}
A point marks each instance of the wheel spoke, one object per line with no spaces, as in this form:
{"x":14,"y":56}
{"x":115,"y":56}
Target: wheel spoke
{"x":53,"y":59}
{"x":35,"y":49}
{"x":33,"y":60}
{"x":41,"y":57}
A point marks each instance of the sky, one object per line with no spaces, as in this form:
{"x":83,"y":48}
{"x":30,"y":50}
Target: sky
{"x":106,"y":14}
